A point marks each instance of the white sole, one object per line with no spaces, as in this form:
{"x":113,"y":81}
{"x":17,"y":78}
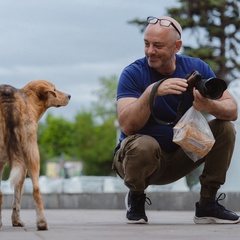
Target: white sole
{"x":126,"y":201}
{"x":212,"y":220}
{"x":140,"y":221}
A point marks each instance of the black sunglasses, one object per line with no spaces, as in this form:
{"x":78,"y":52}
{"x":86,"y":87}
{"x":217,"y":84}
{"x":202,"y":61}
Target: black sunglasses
{"x":162,"y":22}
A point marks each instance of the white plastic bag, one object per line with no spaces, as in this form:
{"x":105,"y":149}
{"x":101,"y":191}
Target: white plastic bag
{"x":193,"y":134}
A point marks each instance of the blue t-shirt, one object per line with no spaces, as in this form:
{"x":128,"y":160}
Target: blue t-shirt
{"x":136,"y":77}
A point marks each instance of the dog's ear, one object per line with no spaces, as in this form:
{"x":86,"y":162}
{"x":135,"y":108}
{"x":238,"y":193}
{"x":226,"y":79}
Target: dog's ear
{"x":43,"y":95}
{"x":53,"y":93}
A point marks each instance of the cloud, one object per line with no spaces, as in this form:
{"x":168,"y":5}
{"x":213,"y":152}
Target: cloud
{"x":71,"y":43}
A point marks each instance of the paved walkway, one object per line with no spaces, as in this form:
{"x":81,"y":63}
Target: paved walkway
{"x":110,"y":224}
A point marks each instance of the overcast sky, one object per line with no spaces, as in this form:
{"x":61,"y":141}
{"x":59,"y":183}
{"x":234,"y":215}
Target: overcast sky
{"x":71,"y":43}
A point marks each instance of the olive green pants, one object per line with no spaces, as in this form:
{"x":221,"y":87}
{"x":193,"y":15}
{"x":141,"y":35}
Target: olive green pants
{"x":141,"y":162}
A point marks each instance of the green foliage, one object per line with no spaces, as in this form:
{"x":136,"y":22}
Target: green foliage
{"x":6,"y":172}
{"x":140,"y":23}
{"x":91,"y":136}
{"x":203,"y":53}
{"x":214,"y":27}
{"x":96,"y":144}
{"x":55,"y":138}
{"x":105,"y":106}
{"x":193,"y":177}
{"x":96,"y":133}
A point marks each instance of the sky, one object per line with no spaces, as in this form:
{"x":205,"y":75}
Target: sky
{"x":71,"y":43}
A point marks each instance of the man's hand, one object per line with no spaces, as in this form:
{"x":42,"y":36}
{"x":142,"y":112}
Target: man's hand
{"x":201,"y":103}
{"x":224,"y":108}
{"x":172,"y":86}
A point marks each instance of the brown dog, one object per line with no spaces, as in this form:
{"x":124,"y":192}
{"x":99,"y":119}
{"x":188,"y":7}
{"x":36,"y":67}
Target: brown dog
{"x":20,"y":111}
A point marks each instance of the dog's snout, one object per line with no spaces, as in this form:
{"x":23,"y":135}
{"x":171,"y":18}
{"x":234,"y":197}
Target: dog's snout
{"x":67,"y":96}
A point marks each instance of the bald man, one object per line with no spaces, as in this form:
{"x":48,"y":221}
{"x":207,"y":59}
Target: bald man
{"x":146,"y":154}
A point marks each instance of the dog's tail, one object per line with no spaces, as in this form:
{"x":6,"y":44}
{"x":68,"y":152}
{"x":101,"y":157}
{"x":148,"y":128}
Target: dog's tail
{"x":17,"y":174}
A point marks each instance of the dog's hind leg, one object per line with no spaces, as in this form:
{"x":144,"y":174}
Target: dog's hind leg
{"x":2,"y":164}
{"x":1,"y":169}
{"x":1,"y":209}
{"x":33,"y":170}
{"x":41,"y":220}
{"x":17,"y":177}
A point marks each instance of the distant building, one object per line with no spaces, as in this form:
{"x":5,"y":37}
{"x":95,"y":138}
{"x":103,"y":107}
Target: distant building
{"x":60,"y":168}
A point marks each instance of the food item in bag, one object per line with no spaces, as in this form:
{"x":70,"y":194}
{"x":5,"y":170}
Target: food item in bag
{"x":190,"y":137}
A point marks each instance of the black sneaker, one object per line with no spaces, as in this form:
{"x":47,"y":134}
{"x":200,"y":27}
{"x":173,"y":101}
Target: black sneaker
{"x":215,"y":213}
{"x":135,"y":204}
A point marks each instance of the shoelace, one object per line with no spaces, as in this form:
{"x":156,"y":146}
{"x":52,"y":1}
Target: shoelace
{"x":148,"y":201}
{"x":135,"y":207}
{"x":220,"y":198}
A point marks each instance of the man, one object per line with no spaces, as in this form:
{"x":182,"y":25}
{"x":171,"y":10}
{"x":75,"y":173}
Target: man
{"x":146,"y":153}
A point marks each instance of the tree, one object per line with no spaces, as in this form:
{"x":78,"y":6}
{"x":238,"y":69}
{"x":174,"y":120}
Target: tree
{"x":95,"y":143}
{"x":214,"y":27}
{"x":95,"y":132}
{"x":55,"y":138}
{"x":105,"y":106}
{"x":91,"y":136}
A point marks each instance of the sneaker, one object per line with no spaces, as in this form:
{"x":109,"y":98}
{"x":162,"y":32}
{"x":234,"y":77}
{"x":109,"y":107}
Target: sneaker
{"x":135,"y":205}
{"x":215,"y":213}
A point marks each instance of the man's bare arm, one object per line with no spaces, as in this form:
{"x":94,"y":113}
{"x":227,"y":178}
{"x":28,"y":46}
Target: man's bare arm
{"x":224,"y":108}
{"x":133,"y":113}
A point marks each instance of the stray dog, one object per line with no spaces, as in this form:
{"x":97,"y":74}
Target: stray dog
{"x":20,"y":111}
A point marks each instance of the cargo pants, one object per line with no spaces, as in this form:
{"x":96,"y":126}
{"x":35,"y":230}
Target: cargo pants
{"x":141,"y":162}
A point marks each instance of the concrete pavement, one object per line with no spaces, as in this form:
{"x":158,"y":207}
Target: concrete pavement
{"x":168,"y":201}
{"x":66,"y":224}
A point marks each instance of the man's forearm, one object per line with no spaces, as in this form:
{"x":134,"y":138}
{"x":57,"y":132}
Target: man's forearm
{"x":135,"y":114}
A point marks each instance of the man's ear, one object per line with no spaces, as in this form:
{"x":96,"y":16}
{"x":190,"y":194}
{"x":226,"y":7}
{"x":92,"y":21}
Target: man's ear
{"x":178,"y":45}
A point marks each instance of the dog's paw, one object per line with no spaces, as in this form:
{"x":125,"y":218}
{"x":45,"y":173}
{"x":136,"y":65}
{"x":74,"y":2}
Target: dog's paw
{"x":18,"y":223}
{"x":42,"y":224}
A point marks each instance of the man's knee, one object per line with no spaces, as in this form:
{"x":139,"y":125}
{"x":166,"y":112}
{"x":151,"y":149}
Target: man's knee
{"x":142,"y":151}
{"x":141,"y":159}
{"x":225,"y":136}
{"x":223,"y":129}
{"x":146,"y":144}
